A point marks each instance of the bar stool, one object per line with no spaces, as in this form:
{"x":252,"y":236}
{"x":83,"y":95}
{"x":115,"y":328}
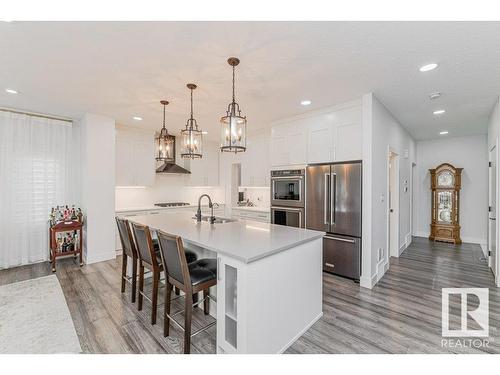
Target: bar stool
{"x":129,"y":251}
{"x":190,"y":278}
{"x":150,"y":259}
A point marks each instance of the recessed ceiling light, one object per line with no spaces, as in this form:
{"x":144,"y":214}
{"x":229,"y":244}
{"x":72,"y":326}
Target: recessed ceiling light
{"x":11,"y":91}
{"x":137,"y":118}
{"x":204,"y":132}
{"x":434,"y":95}
{"x":428,"y":67}
{"x":443,"y":132}
{"x":439,"y":112}
{"x":305,"y":102}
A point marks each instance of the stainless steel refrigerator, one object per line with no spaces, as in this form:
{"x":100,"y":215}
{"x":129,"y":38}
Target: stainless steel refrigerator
{"x":333,"y":205}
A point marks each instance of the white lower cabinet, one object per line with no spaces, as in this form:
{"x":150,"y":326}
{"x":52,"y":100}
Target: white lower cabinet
{"x":230,"y":309}
{"x":264,"y":217}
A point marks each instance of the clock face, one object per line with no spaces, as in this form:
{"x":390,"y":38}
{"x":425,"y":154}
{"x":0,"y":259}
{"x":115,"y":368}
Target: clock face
{"x":445,"y":179}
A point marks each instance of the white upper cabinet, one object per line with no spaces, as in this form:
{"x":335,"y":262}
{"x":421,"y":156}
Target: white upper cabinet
{"x":205,"y":171}
{"x":349,"y":136}
{"x":255,"y":165}
{"x":321,"y":137}
{"x":288,"y":144}
{"x":135,"y":159}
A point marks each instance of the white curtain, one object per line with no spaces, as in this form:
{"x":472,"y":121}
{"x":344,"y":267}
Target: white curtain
{"x":35,"y":175}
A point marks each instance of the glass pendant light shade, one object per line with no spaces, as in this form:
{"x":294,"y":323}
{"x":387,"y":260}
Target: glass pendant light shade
{"x":233,"y":124}
{"x":164,"y":142}
{"x":191,"y":135}
{"x":233,"y":131}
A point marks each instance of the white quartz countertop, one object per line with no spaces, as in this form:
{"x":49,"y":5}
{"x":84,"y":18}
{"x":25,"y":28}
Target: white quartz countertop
{"x":244,"y":240}
{"x":252,"y":208}
{"x":158,"y":208}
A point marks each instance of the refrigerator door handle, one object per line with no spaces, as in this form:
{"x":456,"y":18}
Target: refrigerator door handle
{"x":340,"y":239}
{"x":333,"y":197}
{"x":325,"y":199}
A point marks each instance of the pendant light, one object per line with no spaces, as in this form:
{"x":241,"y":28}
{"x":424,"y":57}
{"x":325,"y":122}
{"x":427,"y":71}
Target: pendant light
{"x":233,"y":125}
{"x":192,"y":137}
{"x":165,"y":143}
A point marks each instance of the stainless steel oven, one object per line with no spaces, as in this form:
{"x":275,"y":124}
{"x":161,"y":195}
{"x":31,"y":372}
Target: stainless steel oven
{"x":288,"y":188}
{"x":289,"y":216}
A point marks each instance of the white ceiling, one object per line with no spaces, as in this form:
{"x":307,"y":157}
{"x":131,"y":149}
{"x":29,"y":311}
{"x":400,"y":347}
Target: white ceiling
{"x":123,"y":69}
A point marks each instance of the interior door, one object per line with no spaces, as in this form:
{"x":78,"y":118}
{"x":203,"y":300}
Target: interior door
{"x":345,"y":207}
{"x":492,"y":211}
{"x":318,"y":197}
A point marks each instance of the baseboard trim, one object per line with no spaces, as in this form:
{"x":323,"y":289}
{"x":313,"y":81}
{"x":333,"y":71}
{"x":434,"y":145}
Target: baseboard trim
{"x":100,"y":257}
{"x":368,"y":281}
{"x":297,"y":336}
{"x":475,"y":240}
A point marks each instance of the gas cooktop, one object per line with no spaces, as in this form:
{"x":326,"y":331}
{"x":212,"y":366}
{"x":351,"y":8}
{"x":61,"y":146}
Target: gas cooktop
{"x":172,"y":204}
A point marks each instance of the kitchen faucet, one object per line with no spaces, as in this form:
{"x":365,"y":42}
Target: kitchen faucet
{"x":210,"y":204}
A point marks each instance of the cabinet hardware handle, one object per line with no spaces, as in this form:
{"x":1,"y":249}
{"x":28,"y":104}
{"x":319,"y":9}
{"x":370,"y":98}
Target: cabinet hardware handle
{"x":330,"y":265}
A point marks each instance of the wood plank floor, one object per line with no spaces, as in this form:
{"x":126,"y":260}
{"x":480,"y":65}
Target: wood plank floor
{"x":401,"y":314}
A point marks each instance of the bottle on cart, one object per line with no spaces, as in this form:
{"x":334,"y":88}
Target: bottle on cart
{"x":76,"y":239}
{"x":64,"y":246}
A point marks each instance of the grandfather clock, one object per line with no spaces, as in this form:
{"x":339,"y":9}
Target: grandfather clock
{"x":445,"y":207}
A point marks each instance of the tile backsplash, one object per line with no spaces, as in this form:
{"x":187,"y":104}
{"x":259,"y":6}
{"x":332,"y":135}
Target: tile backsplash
{"x":167,"y":188}
{"x":259,"y":196}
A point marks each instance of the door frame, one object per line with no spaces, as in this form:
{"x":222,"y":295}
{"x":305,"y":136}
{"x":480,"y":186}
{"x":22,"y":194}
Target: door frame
{"x":497,"y":258}
{"x":392,"y":252}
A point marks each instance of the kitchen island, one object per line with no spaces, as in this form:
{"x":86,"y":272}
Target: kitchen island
{"x":269,"y":278}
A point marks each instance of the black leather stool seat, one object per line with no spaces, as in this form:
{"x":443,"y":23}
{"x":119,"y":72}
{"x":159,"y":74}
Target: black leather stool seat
{"x":202,"y":270}
{"x":190,"y":256}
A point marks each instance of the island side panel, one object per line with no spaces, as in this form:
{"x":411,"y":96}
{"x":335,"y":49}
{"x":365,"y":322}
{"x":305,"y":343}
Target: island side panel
{"x":278,"y":298}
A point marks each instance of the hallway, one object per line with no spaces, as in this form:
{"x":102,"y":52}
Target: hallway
{"x":402,"y":313}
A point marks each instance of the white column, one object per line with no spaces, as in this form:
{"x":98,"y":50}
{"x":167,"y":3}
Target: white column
{"x":97,"y":134}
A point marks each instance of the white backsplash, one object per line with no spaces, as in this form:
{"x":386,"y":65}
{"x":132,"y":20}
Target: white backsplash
{"x":259,"y":196}
{"x":167,"y":188}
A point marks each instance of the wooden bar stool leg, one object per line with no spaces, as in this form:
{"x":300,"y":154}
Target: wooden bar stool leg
{"x":134,"y":279}
{"x":154,"y":299}
{"x":187,"y":322}
{"x":166,"y":319}
{"x":206,"y":302}
{"x":124,"y":271}
{"x":141,"y":286}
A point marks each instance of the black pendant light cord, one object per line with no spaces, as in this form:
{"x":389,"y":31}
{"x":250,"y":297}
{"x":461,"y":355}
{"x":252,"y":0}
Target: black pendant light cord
{"x":191,"y":104}
{"x":234,"y":98}
{"x":163,"y":116}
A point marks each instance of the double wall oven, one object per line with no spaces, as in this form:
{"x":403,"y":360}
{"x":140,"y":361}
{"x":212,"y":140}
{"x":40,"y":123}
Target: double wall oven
{"x":288,"y":197}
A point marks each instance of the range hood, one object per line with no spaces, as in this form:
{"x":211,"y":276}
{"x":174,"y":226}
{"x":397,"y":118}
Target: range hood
{"x":172,"y":168}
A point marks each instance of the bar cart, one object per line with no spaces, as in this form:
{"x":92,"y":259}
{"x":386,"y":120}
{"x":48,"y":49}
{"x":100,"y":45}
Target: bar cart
{"x":66,"y":238}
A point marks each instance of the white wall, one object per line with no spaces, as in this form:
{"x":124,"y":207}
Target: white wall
{"x":381,"y":132}
{"x":469,"y":153}
{"x":97,"y":135}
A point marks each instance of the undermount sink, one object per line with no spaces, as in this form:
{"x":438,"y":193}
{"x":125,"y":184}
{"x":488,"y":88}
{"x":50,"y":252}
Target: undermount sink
{"x":218,"y":219}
